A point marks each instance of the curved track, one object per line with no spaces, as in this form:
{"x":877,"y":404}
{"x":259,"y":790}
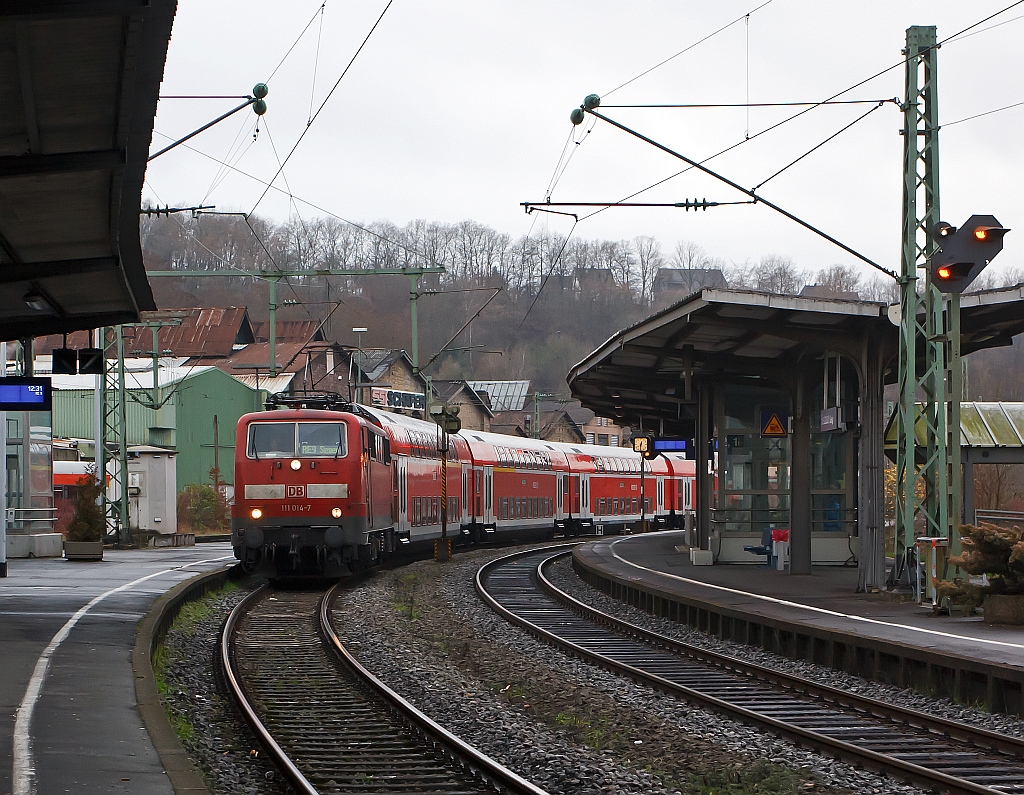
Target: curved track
{"x":327,"y":723}
{"x":931,"y":752}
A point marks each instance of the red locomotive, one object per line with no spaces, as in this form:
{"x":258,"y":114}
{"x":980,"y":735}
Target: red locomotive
{"x":324,"y":487}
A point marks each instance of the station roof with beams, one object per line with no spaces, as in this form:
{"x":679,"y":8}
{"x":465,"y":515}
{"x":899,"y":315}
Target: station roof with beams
{"x":79,"y":82}
{"x":727,"y":335}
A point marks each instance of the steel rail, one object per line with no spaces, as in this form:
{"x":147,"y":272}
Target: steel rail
{"x":808,"y":738}
{"x":234,"y":683}
{"x":457,"y":749}
{"x":482,"y":773}
{"x":976,"y":736}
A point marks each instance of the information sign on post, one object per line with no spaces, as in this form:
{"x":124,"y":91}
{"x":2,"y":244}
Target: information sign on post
{"x":774,"y":424}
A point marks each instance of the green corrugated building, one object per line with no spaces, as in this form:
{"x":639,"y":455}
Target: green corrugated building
{"x":184,"y":423}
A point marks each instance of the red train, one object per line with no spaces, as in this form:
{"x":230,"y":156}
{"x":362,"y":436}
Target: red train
{"x":334,"y":489}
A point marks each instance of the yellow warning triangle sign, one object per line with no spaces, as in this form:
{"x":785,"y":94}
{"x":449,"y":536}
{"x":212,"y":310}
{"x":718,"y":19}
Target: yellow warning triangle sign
{"x":774,"y":427}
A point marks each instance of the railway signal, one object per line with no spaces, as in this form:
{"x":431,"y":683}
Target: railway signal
{"x":963,"y":253}
{"x":644,"y":444}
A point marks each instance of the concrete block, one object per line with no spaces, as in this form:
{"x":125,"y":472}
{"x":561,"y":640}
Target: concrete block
{"x":1004,"y":609}
{"x":35,"y":545}
{"x":702,"y":557}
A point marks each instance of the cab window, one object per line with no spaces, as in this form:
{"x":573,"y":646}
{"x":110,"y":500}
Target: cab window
{"x":303,"y":439}
{"x":272,"y":440}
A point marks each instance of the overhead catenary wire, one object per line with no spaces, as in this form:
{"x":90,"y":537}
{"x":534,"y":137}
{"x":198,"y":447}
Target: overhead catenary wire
{"x":298,"y":38}
{"x":316,"y":63}
{"x":745,"y":191}
{"x":688,"y":48}
{"x":829,"y":100}
{"x":986,"y":113}
{"x":330,"y":93}
{"x":819,"y":145}
{"x":306,"y":202}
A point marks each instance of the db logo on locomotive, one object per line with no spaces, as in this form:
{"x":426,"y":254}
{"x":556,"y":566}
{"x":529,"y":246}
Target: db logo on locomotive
{"x":296,"y":491}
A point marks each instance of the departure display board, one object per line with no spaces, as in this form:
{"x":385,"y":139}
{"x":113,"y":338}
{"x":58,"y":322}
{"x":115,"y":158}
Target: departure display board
{"x":23,"y":393}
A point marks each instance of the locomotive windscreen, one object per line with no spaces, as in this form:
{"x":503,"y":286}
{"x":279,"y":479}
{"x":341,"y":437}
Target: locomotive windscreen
{"x":301,"y":439}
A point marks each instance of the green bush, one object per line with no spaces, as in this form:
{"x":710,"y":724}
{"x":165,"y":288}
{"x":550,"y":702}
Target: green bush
{"x":997,"y":552}
{"x":202,"y":509}
{"x":88,"y":522}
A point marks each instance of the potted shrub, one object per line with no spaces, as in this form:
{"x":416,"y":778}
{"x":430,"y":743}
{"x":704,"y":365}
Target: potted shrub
{"x":83,"y":538}
{"x":997,"y":553}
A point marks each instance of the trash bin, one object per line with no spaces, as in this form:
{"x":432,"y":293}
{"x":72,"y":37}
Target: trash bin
{"x":780,"y":548}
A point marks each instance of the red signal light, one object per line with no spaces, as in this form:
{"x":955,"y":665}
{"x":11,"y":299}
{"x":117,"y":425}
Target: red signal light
{"x":981,"y":233}
{"x":944,"y":272}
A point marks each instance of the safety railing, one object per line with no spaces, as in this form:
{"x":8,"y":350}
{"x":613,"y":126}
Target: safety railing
{"x":31,"y":518}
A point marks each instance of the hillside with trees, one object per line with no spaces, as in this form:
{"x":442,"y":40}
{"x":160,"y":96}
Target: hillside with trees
{"x":556,"y":300}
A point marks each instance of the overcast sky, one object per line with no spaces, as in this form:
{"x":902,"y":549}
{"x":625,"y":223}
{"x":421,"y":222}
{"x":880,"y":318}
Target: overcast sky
{"x":460,"y":110}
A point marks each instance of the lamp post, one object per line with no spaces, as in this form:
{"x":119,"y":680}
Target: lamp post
{"x":359,"y":369}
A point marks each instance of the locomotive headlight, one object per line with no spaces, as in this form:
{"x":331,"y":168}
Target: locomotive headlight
{"x":296,"y":464}
{"x":256,"y":513}
{"x":336,"y":513}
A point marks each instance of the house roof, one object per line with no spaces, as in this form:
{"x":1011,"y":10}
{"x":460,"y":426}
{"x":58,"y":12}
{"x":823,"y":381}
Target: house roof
{"x":503,"y":395}
{"x":290,"y":331}
{"x":374,"y":362}
{"x":79,"y":83}
{"x":256,"y":357}
{"x":451,"y":391}
{"x":688,"y":279}
{"x":210,"y":332}
{"x":513,"y":423}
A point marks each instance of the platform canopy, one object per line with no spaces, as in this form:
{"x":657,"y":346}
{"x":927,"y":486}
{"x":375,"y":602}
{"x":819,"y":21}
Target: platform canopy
{"x":648,"y":370}
{"x":79,"y":82}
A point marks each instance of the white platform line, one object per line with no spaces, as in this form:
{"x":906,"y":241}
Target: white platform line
{"x":23,"y":780}
{"x":822,"y":610}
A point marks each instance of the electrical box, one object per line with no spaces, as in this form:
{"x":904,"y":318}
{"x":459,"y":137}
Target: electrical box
{"x":153,"y":489}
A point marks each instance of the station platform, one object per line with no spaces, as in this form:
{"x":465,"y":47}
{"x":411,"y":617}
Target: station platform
{"x":83,"y":732}
{"x":817,"y":618}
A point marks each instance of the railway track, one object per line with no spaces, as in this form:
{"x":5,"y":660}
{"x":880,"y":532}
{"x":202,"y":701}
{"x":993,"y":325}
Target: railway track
{"x":328,"y":724}
{"x":930,"y":752}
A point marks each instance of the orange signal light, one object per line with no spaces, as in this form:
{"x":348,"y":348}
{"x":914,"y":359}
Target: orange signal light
{"x":981,"y":233}
{"x":945,"y":272}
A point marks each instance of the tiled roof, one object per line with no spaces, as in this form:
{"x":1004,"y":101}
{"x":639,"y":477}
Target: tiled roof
{"x":209,"y":332}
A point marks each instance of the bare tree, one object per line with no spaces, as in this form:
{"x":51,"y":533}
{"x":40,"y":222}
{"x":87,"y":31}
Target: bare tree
{"x":839,"y":279}
{"x":689,"y":255}
{"x":775,"y":274}
{"x":881,"y":288}
{"x":648,"y":261}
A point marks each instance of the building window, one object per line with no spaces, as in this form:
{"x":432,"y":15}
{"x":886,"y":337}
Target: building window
{"x":602,"y":439}
{"x":590,"y":438}
{"x":613,"y":440}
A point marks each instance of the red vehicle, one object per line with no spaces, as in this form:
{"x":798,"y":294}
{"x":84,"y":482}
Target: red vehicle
{"x":332,"y":489}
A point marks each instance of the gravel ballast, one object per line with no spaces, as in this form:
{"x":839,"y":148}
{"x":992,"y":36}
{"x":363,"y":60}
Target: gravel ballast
{"x":563,"y":724}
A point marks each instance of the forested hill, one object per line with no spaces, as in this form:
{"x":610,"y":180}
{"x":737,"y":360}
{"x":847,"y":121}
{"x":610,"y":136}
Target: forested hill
{"x":556,"y":300}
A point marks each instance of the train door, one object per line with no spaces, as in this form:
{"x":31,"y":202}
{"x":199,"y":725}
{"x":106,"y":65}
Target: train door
{"x":403,"y":495}
{"x":465,"y":494}
{"x":488,"y":495}
{"x":367,"y":477}
{"x":574,"y":496}
{"x":561,"y":481}
{"x":659,"y":508}
{"x":585,"y":496}
{"x":478,"y":495}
